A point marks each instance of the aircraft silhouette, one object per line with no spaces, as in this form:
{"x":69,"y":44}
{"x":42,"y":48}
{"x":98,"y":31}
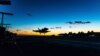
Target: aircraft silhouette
{"x":44,"y":30}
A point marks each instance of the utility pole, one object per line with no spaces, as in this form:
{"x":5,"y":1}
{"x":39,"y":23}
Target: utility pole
{"x":2,"y":19}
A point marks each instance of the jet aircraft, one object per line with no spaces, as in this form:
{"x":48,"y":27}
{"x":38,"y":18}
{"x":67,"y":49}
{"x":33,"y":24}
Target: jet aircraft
{"x":44,"y":30}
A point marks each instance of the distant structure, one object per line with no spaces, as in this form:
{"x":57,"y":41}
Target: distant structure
{"x":81,"y":34}
{"x":44,"y":30}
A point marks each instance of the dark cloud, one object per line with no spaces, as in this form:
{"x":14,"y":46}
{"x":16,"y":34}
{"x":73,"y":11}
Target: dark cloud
{"x":58,"y":27}
{"x":79,"y":22}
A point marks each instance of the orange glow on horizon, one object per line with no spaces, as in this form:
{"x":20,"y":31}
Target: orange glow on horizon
{"x":53,"y":32}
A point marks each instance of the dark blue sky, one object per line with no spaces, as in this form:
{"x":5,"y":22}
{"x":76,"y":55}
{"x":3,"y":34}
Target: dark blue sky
{"x":52,"y":13}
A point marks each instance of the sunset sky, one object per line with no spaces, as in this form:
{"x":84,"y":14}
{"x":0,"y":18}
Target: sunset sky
{"x":34,"y":14}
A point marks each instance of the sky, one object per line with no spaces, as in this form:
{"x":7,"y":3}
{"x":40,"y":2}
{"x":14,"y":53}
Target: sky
{"x":34,"y":14}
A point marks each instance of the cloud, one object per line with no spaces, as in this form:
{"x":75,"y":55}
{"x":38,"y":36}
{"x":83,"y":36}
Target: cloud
{"x":78,"y":22}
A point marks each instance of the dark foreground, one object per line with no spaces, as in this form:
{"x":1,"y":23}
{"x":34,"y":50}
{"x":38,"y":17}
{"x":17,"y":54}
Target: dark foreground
{"x":42,"y":48}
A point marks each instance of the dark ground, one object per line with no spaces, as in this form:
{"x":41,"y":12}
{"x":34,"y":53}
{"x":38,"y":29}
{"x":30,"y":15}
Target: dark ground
{"x":41,"y":48}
